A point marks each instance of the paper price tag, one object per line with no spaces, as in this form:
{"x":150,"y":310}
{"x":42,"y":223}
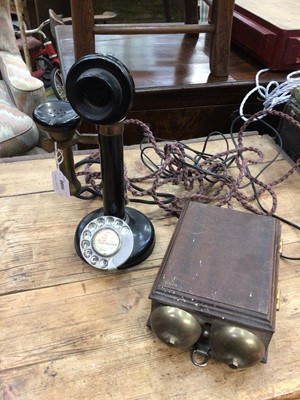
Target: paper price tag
{"x":60,"y":183}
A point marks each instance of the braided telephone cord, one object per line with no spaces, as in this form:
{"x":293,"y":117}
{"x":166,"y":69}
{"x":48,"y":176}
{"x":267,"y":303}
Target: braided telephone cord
{"x":220,"y":189}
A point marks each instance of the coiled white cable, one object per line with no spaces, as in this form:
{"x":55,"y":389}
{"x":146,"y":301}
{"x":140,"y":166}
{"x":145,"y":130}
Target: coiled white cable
{"x":274,"y":93}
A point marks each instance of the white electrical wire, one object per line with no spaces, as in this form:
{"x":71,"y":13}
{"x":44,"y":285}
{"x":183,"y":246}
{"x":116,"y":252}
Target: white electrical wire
{"x":274,"y":93}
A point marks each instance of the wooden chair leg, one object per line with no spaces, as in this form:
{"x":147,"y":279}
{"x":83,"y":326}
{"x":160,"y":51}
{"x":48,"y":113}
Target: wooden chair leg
{"x":191,"y":12}
{"x":221,"y":17}
{"x":167,"y":10}
{"x":188,"y":7}
{"x":83,"y":24}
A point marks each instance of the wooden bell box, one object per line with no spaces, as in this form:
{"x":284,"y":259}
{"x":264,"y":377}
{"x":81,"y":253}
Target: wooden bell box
{"x":216,"y":289}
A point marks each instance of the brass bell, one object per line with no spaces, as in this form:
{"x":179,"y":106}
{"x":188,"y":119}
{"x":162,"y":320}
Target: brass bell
{"x":237,"y":347}
{"x":174,"y":326}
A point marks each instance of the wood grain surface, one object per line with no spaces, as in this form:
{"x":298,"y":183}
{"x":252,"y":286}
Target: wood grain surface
{"x":69,"y":331}
{"x":284,"y":15}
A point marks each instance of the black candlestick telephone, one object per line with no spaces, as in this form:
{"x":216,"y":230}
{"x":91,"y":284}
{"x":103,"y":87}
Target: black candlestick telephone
{"x":100,"y":89}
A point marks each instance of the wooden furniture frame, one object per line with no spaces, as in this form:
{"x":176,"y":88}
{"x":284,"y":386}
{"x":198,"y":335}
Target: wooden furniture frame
{"x":219,"y":26}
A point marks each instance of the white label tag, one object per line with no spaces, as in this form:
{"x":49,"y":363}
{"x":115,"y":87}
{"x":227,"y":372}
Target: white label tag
{"x":60,"y":183}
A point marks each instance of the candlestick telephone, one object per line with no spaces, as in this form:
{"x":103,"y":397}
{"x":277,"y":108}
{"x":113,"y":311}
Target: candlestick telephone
{"x":100,"y":90}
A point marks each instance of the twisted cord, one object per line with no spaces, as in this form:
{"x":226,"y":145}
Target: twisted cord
{"x":207,"y":179}
{"x":274,"y":93}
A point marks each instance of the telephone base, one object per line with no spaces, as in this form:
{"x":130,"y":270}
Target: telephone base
{"x":141,"y":227}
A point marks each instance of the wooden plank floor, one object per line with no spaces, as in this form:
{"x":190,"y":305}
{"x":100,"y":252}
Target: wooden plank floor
{"x":69,"y":331}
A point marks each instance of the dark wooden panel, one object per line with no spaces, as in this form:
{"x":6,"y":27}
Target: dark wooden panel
{"x":181,"y":123}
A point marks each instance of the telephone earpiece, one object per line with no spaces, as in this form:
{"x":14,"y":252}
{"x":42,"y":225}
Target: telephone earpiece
{"x":60,"y":122}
